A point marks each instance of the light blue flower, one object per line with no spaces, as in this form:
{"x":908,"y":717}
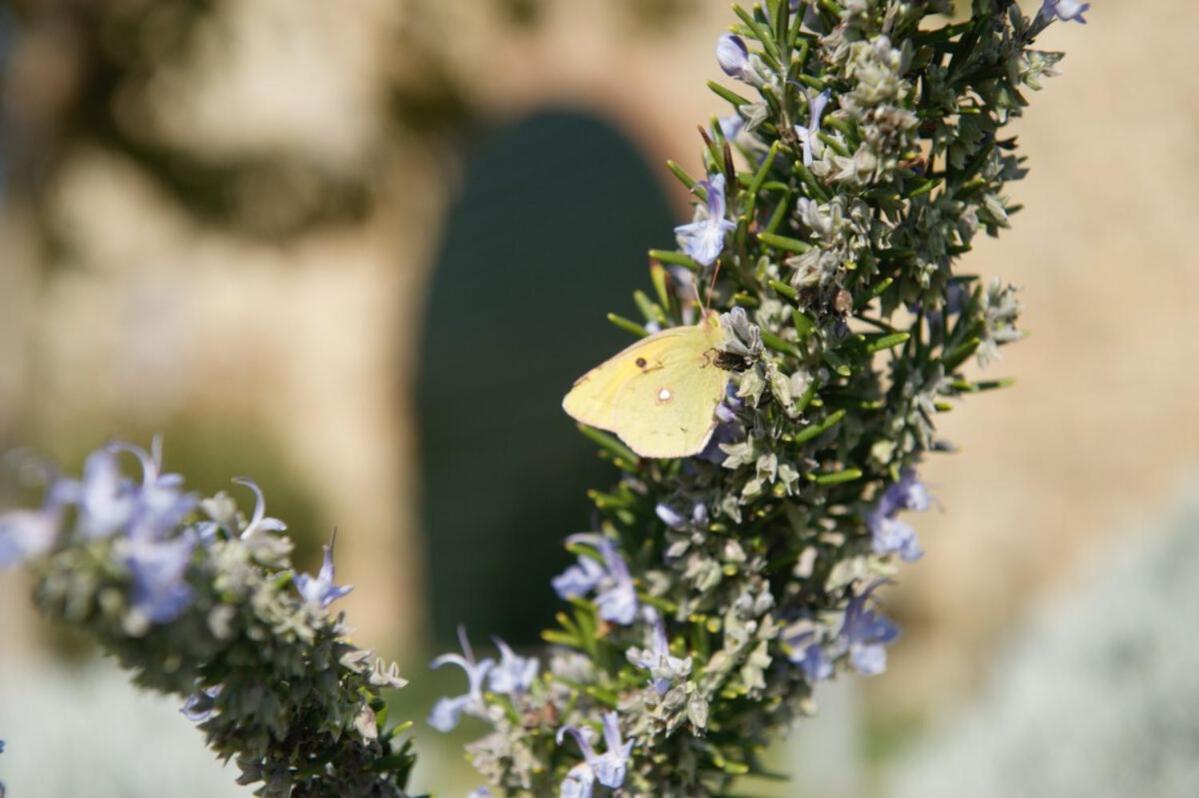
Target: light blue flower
{"x":728,"y":429}
{"x":25,"y":534}
{"x":206,"y":531}
{"x":957,"y":295}
{"x":320,"y":591}
{"x":676,"y":520}
{"x":730,"y":126}
{"x":890,"y":535}
{"x":616,"y":599}
{"x":664,"y":669}
{"x":726,"y":411}
{"x":815,"y":663}
{"x":448,"y":711}
{"x":201,"y":705}
{"x":259,"y":521}
{"x":514,"y":674}
{"x":617,"y":603}
{"x":160,"y":592}
{"x":579,"y":782}
{"x":608,"y":769}
{"x":804,"y":643}
{"x":107,"y":501}
{"x":159,"y":504}
{"x":1065,"y":10}
{"x":807,"y":135}
{"x":703,"y":239}
{"x":579,"y":579}
{"x":733,"y":57}
{"x":670,"y":516}
{"x":480,"y":792}
{"x":865,"y":634}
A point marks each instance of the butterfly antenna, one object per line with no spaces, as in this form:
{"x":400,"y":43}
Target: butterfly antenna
{"x":707,"y":304}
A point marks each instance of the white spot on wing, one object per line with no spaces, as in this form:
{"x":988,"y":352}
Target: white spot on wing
{"x":664,"y":395}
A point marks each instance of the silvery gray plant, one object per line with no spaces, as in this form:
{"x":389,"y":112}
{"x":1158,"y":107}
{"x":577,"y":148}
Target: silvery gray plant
{"x":711,"y":593}
{"x":1095,"y":695}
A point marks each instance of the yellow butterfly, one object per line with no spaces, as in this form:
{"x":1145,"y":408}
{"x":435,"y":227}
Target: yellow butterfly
{"x":660,"y":394}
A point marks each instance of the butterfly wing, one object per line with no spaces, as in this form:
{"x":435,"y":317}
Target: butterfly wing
{"x":658,"y":395}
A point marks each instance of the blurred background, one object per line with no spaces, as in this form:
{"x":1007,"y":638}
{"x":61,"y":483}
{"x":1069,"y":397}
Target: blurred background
{"x":359,"y":250}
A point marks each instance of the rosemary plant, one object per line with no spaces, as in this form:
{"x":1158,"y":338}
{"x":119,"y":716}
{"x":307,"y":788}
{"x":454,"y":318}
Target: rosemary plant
{"x":862,"y":154}
{"x":200,"y":601}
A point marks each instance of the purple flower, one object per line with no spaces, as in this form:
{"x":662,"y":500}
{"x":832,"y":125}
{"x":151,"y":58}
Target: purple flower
{"x":259,"y":521}
{"x":725,"y":414}
{"x":703,"y":239}
{"x":807,"y":135}
{"x":1065,"y":10}
{"x":892,"y":536}
{"x":956,"y":297}
{"x":728,"y":429}
{"x":106,"y":500}
{"x":579,"y":782}
{"x":730,"y":126}
{"x":865,"y":635}
{"x":664,"y":669}
{"x":676,"y":520}
{"x":805,"y":646}
{"x":617,"y":603}
{"x":670,"y":516}
{"x":578,"y":580}
{"x":201,"y":705}
{"x":447,"y":711}
{"x":889,"y":534}
{"x":206,"y":531}
{"x":616,"y":599}
{"x":321,"y":591}
{"x":608,"y":769}
{"x":514,"y":674}
{"x":814,"y":661}
{"x":158,"y":567}
{"x":29,"y":533}
{"x":733,"y":57}
{"x":159,"y":504}
{"x":480,"y":792}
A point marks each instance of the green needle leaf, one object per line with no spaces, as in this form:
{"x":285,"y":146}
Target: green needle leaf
{"x":628,"y":325}
{"x":878,"y":344}
{"x":674,"y":258}
{"x":610,"y":443}
{"x":784,"y":243}
{"x":816,"y":430}
{"x":735,"y":99}
{"x":784,"y":290}
{"x":835,"y":477}
{"x":959,"y":356}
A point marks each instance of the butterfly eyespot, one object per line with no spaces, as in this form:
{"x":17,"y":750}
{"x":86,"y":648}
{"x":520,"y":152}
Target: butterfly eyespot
{"x":664,"y":395}
{"x":641,"y":362}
